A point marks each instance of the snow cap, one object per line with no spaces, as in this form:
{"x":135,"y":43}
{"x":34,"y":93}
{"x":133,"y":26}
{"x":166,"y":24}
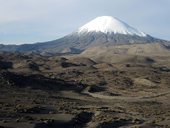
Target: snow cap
{"x":109,"y":24}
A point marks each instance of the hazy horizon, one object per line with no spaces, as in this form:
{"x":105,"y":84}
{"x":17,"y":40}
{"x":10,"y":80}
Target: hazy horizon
{"x":30,"y":21}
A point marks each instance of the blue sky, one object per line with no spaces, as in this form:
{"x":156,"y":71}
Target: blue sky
{"x":30,"y":21}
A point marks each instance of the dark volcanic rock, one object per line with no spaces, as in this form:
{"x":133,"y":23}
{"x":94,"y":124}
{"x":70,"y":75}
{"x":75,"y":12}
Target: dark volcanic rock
{"x":82,"y":119}
{"x":5,"y":64}
{"x":79,"y":121}
{"x":32,"y":110}
{"x":38,"y":82}
{"x":115,"y":124}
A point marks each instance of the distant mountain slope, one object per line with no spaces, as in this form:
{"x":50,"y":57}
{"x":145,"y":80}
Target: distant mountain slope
{"x":119,"y":53}
{"x":103,"y":30}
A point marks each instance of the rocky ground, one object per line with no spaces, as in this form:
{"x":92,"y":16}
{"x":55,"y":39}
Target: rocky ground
{"x":71,"y":91}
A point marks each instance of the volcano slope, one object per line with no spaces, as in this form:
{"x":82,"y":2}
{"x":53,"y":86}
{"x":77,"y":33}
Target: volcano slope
{"x":75,"y":91}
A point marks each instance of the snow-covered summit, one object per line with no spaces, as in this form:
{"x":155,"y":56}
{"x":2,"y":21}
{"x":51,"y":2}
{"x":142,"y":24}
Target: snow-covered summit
{"x":108,"y":24}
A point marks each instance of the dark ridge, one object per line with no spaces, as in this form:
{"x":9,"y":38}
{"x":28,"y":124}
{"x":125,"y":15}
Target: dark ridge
{"x":37,"y":82}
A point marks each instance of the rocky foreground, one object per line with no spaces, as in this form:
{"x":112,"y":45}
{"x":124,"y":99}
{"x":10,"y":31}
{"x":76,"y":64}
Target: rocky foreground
{"x":74,"y":92}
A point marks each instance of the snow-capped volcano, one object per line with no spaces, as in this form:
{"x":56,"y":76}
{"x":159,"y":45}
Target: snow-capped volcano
{"x":108,"y":24}
{"x":102,"y":31}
